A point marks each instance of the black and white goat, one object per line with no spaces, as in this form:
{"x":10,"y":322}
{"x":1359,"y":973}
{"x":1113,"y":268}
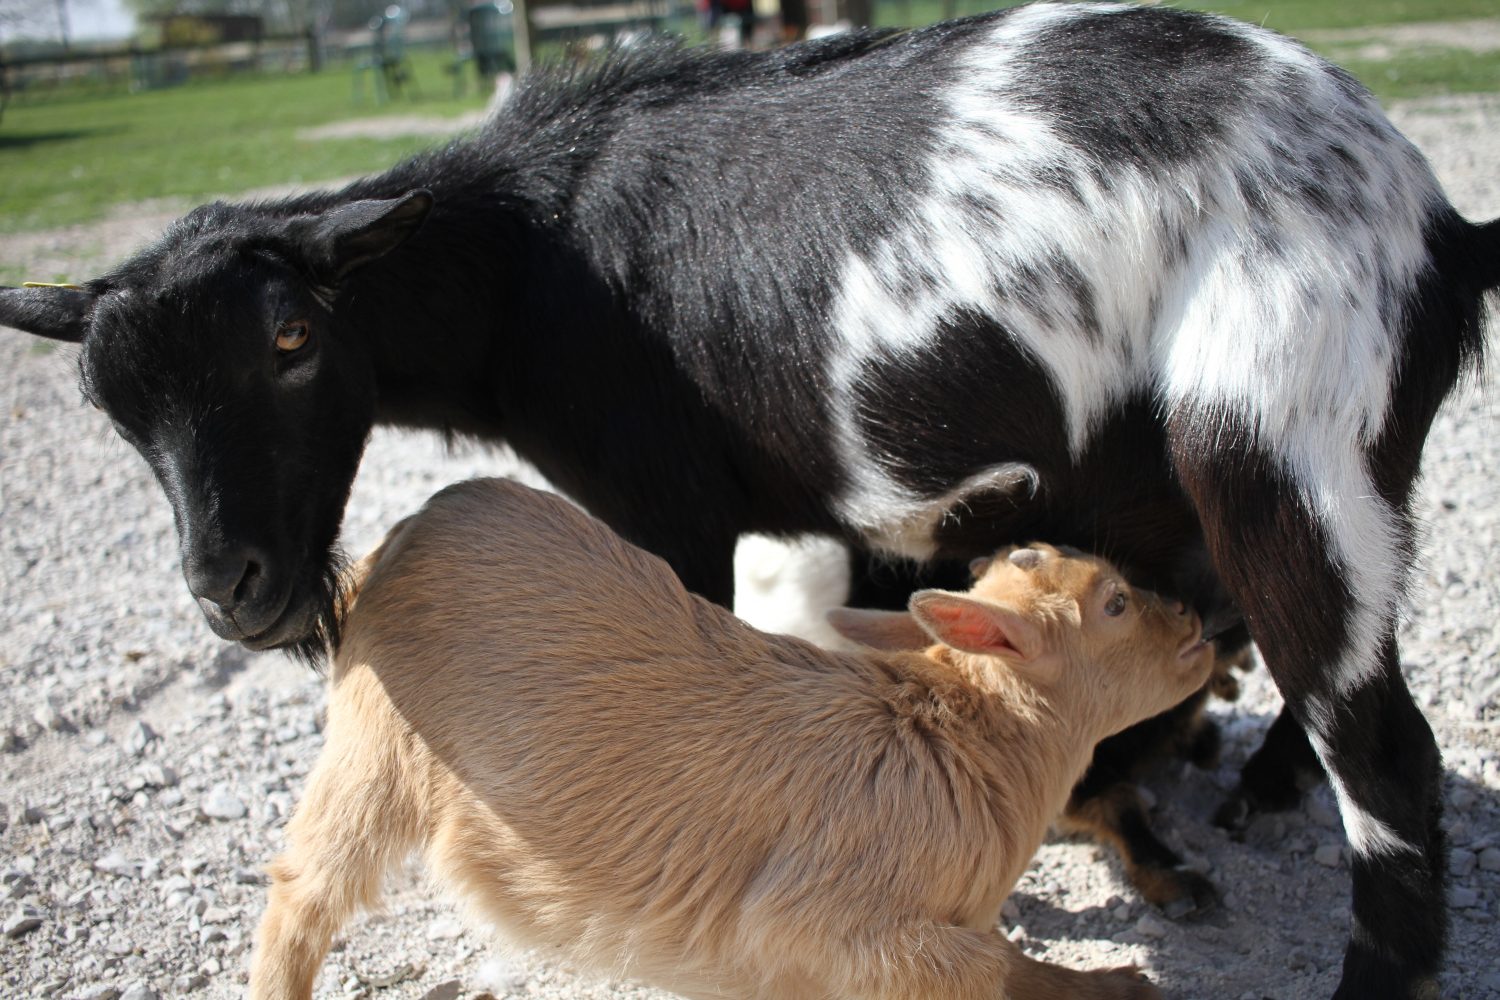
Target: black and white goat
{"x":1181,"y":267}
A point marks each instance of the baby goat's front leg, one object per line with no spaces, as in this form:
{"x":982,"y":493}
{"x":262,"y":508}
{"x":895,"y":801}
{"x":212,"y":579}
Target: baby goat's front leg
{"x":356,"y":818}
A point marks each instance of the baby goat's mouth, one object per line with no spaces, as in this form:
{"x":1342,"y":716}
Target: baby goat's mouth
{"x":1196,"y":641}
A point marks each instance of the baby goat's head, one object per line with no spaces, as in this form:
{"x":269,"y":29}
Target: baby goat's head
{"x":1062,"y":622}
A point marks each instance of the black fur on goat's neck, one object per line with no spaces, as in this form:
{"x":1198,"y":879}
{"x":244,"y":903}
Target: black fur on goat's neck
{"x":335,"y":598}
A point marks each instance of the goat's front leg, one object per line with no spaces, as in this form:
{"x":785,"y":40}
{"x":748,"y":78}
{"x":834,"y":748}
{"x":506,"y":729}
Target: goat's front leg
{"x":352,"y":824}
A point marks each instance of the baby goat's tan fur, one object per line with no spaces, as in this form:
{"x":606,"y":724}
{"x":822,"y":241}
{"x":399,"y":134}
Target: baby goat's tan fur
{"x":609,"y":766}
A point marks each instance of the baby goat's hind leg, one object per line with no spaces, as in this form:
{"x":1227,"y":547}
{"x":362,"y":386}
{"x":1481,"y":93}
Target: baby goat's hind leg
{"x":352,"y":825}
{"x":929,"y":961}
{"x":1320,"y":594}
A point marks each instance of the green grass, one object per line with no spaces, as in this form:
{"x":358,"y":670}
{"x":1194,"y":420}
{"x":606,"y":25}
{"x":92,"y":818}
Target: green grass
{"x":1425,"y":71}
{"x":1288,"y":16}
{"x":1294,"y":16}
{"x":1418,"y":72}
{"x":67,"y":161}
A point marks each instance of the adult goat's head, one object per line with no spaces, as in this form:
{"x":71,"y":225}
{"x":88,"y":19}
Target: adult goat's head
{"x":218,"y":354}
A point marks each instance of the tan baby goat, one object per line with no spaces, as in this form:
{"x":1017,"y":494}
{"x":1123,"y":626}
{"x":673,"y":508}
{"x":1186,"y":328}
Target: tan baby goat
{"x":616,"y":770}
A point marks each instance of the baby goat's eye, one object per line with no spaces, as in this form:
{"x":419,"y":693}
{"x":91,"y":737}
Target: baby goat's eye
{"x":292,"y":336}
{"x":1115,"y":606}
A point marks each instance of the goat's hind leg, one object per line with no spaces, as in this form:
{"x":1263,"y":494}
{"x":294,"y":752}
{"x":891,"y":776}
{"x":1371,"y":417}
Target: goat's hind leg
{"x":930,"y":961}
{"x":1320,"y":592}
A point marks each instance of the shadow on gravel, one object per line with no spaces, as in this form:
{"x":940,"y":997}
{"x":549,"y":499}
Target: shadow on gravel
{"x":27,"y":140}
{"x":226,"y":664}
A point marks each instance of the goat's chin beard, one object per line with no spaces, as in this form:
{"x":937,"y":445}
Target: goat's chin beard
{"x":312,"y":625}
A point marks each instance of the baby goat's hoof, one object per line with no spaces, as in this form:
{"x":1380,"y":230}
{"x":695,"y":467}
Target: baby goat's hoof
{"x":1202,"y":750}
{"x":1177,"y":892}
{"x":1128,"y":982}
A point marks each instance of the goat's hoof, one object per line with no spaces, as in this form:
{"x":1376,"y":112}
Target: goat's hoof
{"x":1203,"y":750}
{"x":1177,"y":892}
{"x":1235,"y":812}
{"x":1245,"y":803}
{"x":1199,"y":896}
{"x":1128,"y":982}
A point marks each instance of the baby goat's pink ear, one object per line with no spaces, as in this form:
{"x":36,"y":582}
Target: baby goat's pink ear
{"x":893,"y":631}
{"x":976,"y":626}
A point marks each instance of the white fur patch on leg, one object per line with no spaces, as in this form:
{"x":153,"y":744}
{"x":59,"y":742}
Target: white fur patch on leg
{"x":1368,"y":835}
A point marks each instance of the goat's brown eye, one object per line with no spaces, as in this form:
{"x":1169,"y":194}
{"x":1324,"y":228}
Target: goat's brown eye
{"x":292,"y":336}
{"x":1115,"y":606}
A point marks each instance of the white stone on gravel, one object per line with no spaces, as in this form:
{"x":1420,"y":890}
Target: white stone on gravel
{"x":1150,"y":926}
{"x":451,"y":990}
{"x":49,"y":718}
{"x":138,"y":737}
{"x":1462,"y":897}
{"x":154,"y":775}
{"x":1328,"y":855}
{"x":22,"y":921}
{"x":139,"y":991}
{"x":115,"y":863}
{"x":216,"y":915}
{"x":499,"y":975}
{"x":444,"y":929}
{"x":1461,"y":863}
{"x":188,"y":982}
{"x":249,"y":876}
{"x":222,"y":803}
{"x":1489,"y":859}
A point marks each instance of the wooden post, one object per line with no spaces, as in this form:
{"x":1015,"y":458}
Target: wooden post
{"x":521,"y":31}
{"x":314,"y":50}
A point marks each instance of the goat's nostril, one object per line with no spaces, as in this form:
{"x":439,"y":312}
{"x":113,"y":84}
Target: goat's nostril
{"x":247,"y":581}
{"x":226,"y":579}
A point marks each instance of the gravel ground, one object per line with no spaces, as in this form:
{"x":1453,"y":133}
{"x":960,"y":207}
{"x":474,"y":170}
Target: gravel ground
{"x":147,"y":768}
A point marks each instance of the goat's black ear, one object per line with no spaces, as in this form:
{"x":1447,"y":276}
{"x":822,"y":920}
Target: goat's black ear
{"x":349,"y":236}
{"x":51,"y":311}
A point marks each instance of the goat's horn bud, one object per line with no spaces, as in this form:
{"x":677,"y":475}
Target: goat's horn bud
{"x":1025,"y":558}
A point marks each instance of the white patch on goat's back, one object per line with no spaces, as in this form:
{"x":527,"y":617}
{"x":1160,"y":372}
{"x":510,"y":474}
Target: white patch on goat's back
{"x":1263,"y":278}
{"x":973,"y":243}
